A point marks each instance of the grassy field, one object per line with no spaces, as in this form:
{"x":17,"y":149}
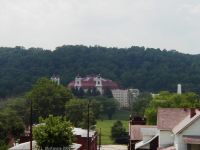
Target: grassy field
{"x":106,"y":125}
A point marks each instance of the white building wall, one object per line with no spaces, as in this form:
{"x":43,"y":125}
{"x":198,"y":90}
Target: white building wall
{"x":166,"y":138}
{"x":122,"y":97}
{"x":194,"y":129}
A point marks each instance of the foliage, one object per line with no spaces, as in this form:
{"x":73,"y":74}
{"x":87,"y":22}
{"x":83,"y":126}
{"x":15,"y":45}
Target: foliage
{"x":118,"y":133}
{"x":141,"y":103}
{"x":166,"y":99}
{"x":106,"y":126}
{"x":77,"y":112}
{"x":109,"y":105}
{"x":108,"y":93}
{"x":10,"y":125}
{"x":53,"y":132}
{"x":48,"y":98}
{"x":3,"y":145}
{"x":147,"y":69}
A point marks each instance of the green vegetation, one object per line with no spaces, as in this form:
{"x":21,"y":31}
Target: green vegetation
{"x":148,"y":69}
{"x":48,"y":98}
{"x":118,"y":133}
{"x":166,"y":99}
{"x":106,"y":126}
{"x":53,"y":132}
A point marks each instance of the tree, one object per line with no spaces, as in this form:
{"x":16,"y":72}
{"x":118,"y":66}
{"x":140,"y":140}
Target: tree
{"x":11,"y":125}
{"x":109,"y":105}
{"x":118,"y":133}
{"x":77,"y":112}
{"x":141,"y":103}
{"x":107,"y":93}
{"x":53,"y":132}
{"x":48,"y":98}
{"x":166,"y":99}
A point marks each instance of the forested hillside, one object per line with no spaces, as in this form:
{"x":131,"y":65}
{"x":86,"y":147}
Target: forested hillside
{"x":137,"y":67}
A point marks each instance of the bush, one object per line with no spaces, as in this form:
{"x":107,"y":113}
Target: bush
{"x":53,"y":132}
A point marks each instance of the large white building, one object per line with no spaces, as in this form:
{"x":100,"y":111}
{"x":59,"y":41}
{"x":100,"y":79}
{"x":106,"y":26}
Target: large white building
{"x":125,"y":97}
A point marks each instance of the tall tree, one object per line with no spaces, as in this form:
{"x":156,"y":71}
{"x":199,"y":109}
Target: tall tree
{"x":48,"y":98}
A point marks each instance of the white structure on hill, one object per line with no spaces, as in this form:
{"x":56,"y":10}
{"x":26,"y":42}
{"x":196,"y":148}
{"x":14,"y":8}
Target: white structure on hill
{"x":179,"y":89}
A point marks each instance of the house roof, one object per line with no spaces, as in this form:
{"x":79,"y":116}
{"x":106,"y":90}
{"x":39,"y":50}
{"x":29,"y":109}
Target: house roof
{"x":136,"y":134}
{"x":142,"y":143}
{"x":168,"y":118}
{"x":83,"y":132}
{"x":186,"y":122}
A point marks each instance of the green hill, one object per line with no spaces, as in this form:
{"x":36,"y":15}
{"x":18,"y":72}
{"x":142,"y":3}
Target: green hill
{"x":145,"y":68}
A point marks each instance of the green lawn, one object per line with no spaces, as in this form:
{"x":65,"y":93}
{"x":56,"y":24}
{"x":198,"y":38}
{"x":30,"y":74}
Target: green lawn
{"x":105,"y":126}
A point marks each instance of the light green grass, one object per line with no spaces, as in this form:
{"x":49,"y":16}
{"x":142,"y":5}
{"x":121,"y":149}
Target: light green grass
{"x":105,"y":126}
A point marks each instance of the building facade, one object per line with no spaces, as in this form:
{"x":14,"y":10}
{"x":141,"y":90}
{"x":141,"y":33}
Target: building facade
{"x":125,"y":97}
{"x":90,"y":82}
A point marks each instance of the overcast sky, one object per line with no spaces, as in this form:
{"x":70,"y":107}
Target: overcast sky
{"x":165,"y":24}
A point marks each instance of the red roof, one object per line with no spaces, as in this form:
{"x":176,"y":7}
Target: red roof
{"x":186,"y":122}
{"x":90,"y":82}
{"x":136,"y":133}
{"x":168,"y":118}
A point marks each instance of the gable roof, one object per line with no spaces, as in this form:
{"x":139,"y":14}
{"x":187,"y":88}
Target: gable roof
{"x":168,"y":118}
{"x":136,"y":134}
{"x":186,"y":122}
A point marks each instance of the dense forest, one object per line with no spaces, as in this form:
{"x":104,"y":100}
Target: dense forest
{"x":148,"y":69}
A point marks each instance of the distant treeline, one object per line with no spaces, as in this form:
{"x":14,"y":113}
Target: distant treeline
{"x":148,"y":69}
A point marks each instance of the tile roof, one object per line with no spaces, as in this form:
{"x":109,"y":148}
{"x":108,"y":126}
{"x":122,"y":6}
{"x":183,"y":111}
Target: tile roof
{"x":168,"y":118}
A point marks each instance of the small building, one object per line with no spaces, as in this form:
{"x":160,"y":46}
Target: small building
{"x":82,"y":138}
{"x":177,"y":129}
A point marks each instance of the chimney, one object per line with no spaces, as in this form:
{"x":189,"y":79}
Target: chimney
{"x":192,"y":112}
{"x":179,"y":90}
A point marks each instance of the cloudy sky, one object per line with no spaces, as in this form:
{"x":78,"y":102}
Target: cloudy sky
{"x":165,"y":24}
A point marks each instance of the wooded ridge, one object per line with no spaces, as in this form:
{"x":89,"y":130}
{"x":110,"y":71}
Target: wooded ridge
{"x":148,"y":69}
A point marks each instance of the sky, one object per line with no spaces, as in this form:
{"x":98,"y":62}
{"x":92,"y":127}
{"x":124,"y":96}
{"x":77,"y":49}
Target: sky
{"x":164,"y":24}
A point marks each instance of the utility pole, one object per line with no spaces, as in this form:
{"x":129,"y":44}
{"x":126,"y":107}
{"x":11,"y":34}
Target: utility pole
{"x":99,"y":138}
{"x":31,"y":125}
{"x":88,"y":127}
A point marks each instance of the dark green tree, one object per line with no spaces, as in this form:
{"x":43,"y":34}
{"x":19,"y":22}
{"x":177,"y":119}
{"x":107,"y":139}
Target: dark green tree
{"x":118,"y":133}
{"x":48,"y":98}
{"x":108,"y":93}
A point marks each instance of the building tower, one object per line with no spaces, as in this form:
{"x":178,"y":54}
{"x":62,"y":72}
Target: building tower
{"x":179,"y":90}
{"x":77,"y":82}
{"x":99,"y":84}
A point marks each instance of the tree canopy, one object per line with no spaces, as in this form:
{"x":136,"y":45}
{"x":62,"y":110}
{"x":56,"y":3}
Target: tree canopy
{"x":48,"y":98}
{"x":53,"y":132}
{"x":166,"y":99}
{"x":147,"y":69}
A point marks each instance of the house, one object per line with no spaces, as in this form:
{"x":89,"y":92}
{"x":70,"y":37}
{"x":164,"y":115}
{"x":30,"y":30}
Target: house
{"x":177,"y":129}
{"x":81,"y":138}
{"x":142,"y":136}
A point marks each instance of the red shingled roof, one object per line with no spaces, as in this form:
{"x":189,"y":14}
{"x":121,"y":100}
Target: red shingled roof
{"x":89,"y":82}
{"x":168,"y":118}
